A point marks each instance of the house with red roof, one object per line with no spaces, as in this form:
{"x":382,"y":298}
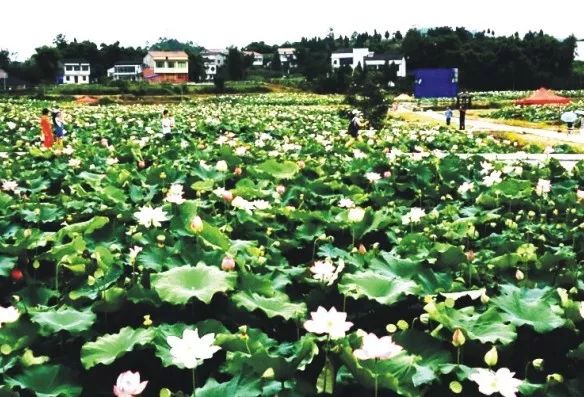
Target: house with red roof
{"x":166,"y":67}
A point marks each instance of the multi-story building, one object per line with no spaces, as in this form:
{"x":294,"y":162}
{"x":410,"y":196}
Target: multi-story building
{"x":126,"y":70}
{"x":288,"y":57}
{"x":258,"y":59}
{"x":213,"y":60}
{"x":75,"y":72}
{"x":362,"y":56}
{"x":166,"y":67}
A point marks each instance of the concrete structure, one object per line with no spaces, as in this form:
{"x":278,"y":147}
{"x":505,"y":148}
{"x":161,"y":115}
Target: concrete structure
{"x":166,"y":67}
{"x":288,"y":57}
{"x":258,"y":59}
{"x":75,"y":72}
{"x":126,"y":70}
{"x":213,"y":59}
{"x":3,"y":79}
{"x":354,"y":57}
{"x":580,"y":50}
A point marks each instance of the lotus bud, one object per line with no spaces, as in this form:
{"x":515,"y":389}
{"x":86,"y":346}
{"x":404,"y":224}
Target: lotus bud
{"x":228,"y":264}
{"x":491,"y":357}
{"x":387,"y":174}
{"x":268,"y":373}
{"x":458,"y":338}
{"x":519,"y":275}
{"x":485,"y":299}
{"x":163,"y":175}
{"x":301,"y":164}
{"x":470,"y":255}
{"x":36,"y":264}
{"x":362,"y":249}
{"x":555,"y":378}
{"x":197,"y":224}
{"x":27,"y":233}
{"x":537,"y":364}
{"x":237,"y":171}
{"x":227,"y":196}
{"x":280,"y":189}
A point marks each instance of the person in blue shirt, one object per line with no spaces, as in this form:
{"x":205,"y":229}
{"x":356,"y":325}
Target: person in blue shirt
{"x":448,"y":115}
{"x":58,"y":126}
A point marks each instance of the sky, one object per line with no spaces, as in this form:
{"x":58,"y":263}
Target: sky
{"x":27,"y":24}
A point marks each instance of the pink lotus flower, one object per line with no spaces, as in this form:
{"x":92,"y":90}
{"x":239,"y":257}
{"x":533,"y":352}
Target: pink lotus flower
{"x":228,"y":263}
{"x":129,"y":385}
{"x":280,"y":189}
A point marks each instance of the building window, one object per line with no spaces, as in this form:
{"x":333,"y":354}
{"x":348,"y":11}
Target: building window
{"x":171,"y":64}
{"x":68,"y":68}
{"x":76,"y":68}
{"x":84,"y":78}
{"x":85,"y":68}
{"x":181,"y":64}
{"x":346,"y":61}
{"x":159,"y":64}
{"x":68,"y":78}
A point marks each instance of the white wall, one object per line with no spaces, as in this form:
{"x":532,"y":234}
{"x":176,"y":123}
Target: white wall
{"x":357,"y":56}
{"x":580,"y":51}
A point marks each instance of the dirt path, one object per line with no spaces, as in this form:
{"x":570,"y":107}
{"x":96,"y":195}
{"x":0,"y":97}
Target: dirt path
{"x":576,"y":137}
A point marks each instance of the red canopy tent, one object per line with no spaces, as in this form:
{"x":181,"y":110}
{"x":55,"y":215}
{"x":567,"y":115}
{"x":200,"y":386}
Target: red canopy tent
{"x":543,"y":96}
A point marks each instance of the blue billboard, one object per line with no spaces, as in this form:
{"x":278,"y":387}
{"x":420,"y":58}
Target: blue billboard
{"x":436,"y":83}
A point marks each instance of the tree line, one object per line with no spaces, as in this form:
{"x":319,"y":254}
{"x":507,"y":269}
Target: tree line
{"x":485,"y":61}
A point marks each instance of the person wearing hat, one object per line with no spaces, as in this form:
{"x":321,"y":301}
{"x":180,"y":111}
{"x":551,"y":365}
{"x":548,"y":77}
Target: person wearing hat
{"x":355,"y":123}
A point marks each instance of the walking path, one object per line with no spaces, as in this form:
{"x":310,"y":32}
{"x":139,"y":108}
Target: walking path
{"x":484,"y":125}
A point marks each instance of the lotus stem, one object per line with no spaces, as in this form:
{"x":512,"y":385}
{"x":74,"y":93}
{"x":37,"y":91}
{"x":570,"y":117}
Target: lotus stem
{"x":194,"y":382}
{"x":376,"y":386}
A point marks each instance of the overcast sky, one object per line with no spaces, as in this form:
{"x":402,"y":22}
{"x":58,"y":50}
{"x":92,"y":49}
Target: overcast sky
{"x":27,"y":24}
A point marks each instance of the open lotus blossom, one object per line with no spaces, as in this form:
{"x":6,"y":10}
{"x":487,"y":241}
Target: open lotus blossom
{"x":543,"y":187}
{"x":413,"y":216}
{"x":11,"y":125}
{"x":111,"y":161}
{"x":346,"y":203}
{"x":242,"y":204}
{"x":465,"y":187}
{"x":493,"y":178}
{"x":9,"y":186}
{"x":261,"y":204}
{"x":356,"y":214}
{"x":330,"y":322}
{"x":175,"y":194}
{"x":74,"y":163}
{"x":8,"y":315}
{"x":580,"y":195}
{"x":148,"y":216}
{"x":68,"y":150}
{"x":221,"y":166}
{"x":190,"y":350}
{"x":491,"y":382}
{"x":129,"y":385}
{"x":372,"y":177}
{"x":325,"y":271}
{"x":374,"y":348}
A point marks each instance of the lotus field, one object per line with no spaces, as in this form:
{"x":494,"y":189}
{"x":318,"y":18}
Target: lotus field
{"x":262,"y":252}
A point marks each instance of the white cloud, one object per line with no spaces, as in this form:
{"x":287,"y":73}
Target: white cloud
{"x":220,"y":23}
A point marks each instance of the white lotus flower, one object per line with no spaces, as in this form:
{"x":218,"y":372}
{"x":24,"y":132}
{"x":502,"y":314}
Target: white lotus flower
{"x":413,"y":216}
{"x":221,"y":166}
{"x":581,"y":307}
{"x":148,"y":216}
{"x":372,"y":177}
{"x":11,"y":125}
{"x":175,"y":194}
{"x":491,"y":382}
{"x":190,"y":350}
{"x":111,"y":161}
{"x":240,"y":151}
{"x":68,"y":150}
{"x":261,"y":204}
{"x":74,"y":163}
{"x":8,"y":315}
{"x":242,"y":204}
{"x":486,"y":167}
{"x":543,"y":187}
{"x":346,"y":203}
{"x":377,"y":348}
{"x":580,"y":195}
{"x":329,"y":322}
{"x":493,"y":178}
{"x":465,"y":187}
{"x":358,"y":154}
{"x":9,"y":186}
{"x":356,"y":214}
{"x":325,"y":271}
{"x":128,"y":384}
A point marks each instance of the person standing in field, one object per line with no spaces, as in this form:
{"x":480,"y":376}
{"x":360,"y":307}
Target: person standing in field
{"x":462,"y":118}
{"x":59,"y":127}
{"x":448,"y":115}
{"x":46,"y":129}
{"x":167,"y":124}
{"x":355,"y":123}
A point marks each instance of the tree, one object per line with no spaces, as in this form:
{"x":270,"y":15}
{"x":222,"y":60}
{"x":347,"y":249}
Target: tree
{"x":196,"y":66}
{"x":4,"y":59}
{"x":46,"y":59}
{"x":235,"y":64}
{"x":276,"y":63}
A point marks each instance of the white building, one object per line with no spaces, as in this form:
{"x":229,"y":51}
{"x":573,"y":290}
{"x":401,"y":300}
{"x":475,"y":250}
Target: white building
{"x":213,"y":60}
{"x":126,"y":70}
{"x":349,"y":57}
{"x":166,"y":67}
{"x":377,"y":61}
{"x":258,"y":59}
{"x":287,"y":57}
{"x":3,"y":79}
{"x":362,"y":56}
{"x":579,"y":51}
{"x":76,"y":72}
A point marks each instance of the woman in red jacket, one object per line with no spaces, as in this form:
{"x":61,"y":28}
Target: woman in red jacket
{"x":46,"y":129}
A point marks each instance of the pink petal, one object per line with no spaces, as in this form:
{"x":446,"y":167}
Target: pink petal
{"x":141,"y":387}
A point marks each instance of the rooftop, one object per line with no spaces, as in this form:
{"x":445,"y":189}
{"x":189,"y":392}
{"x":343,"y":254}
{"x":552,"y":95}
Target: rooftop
{"x":384,"y":57}
{"x":168,"y":54}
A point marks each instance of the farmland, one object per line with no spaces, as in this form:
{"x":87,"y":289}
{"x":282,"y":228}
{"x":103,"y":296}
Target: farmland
{"x":251,"y":223}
